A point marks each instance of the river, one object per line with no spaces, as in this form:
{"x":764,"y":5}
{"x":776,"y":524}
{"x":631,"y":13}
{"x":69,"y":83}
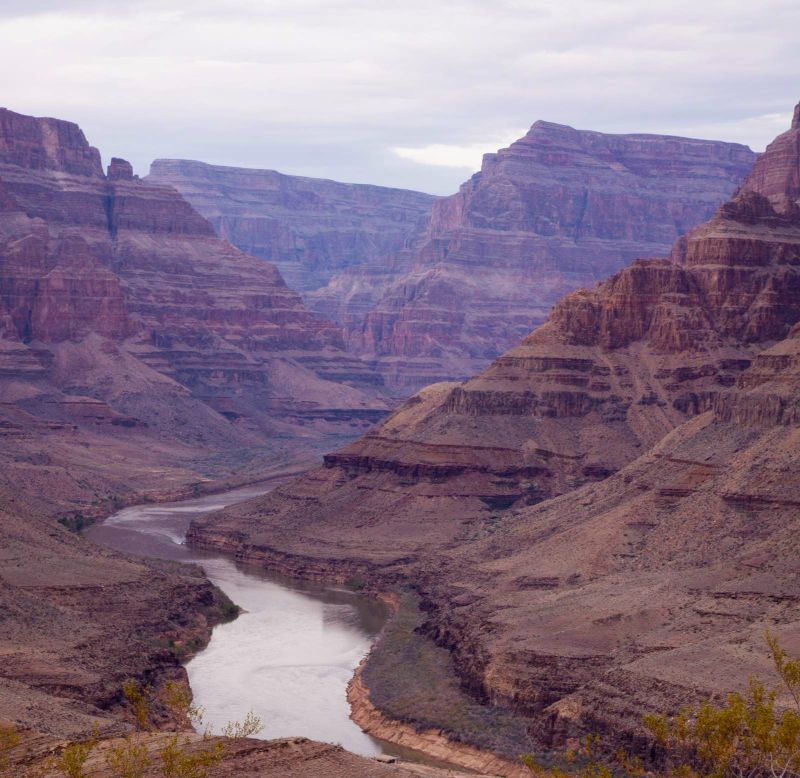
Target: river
{"x":288,"y":657}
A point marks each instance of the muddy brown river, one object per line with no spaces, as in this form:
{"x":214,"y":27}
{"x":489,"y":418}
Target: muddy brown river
{"x":288,"y":657}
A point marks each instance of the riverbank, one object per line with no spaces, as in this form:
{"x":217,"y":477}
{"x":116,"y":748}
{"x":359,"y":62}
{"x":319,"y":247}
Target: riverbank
{"x":289,"y":655}
{"x":192,"y":489}
{"x":431,"y":742}
{"x":169,"y":631}
{"x":406,"y":690}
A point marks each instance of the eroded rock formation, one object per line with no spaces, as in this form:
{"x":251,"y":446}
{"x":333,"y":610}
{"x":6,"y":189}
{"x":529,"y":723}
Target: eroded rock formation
{"x":428,"y":300}
{"x":557,"y":210}
{"x":599,"y":523}
{"x":111,"y":256}
{"x":140,"y":357}
{"x":338,"y":244}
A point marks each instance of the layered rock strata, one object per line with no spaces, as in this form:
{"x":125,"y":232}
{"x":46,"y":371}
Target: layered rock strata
{"x":338,"y":244}
{"x":432,"y":297}
{"x":116,"y":295}
{"x":239,"y":757}
{"x":599,"y":524}
{"x":141,"y":356}
{"x":558,"y":210}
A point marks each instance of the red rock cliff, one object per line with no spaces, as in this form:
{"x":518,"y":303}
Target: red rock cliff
{"x":601,"y":523}
{"x":84,"y":254}
{"x":557,"y":210}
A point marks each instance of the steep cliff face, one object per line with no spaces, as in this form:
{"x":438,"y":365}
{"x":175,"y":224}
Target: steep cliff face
{"x":599,"y":522}
{"x":613,"y":370}
{"x":141,"y":356}
{"x":338,"y":244}
{"x":777,"y":177}
{"x":46,"y":144}
{"x":649,"y":589}
{"x":426,"y":296}
{"x":557,"y":210}
{"x":112,"y":256}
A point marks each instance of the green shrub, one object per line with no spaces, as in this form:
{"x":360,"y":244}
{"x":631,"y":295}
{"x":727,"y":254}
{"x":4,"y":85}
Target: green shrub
{"x":176,"y":762}
{"x":75,"y":522}
{"x":73,"y":758}
{"x":9,"y":739}
{"x":129,"y":759}
{"x":746,"y":736}
{"x":139,"y":698}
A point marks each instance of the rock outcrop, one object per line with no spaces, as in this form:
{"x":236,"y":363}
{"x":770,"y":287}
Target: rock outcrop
{"x":77,"y":621}
{"x":338,"y":244}
{"x":435,"y":297}
{"x":558,"y":210}
{"x":141,"y":356}
{"x":598,"y":524}
{"x":132,"y":262}
{"x":293,"y":757}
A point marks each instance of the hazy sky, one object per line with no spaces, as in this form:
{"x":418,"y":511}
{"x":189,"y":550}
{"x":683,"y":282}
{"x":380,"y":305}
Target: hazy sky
{"x":396,"y":93}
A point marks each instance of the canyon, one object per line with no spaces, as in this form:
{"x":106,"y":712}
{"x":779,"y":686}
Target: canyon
{"x":600,"y":524}
{"x":123,"y":318}
{"x":141,"y":358}
{"x":339,"y":245}
{"x":435,"y":297}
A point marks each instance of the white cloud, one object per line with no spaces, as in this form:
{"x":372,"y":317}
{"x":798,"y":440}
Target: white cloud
{"x":405,"y":92}
{"x":466,"y":156}
{"x":756,"y":131}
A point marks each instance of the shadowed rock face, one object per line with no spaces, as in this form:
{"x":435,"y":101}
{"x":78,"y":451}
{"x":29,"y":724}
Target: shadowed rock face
{"x":557,"y":210}
{"x":432,"y":297}
{"x":599,"y":523}
{"x":338,"y":244}
{"x":140,"y":356}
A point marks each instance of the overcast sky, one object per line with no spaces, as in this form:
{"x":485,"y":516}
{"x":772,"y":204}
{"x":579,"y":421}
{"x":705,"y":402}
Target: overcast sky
{"x":397,"y":93}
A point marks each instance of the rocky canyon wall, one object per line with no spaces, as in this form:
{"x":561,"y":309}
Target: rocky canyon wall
{"x":87,"y":254}
{"x":427,"y":295}
{"x":141,"y":357}
{"x":599,"y":523}
{"x":338,"y":244}
{"x":558,"y":210}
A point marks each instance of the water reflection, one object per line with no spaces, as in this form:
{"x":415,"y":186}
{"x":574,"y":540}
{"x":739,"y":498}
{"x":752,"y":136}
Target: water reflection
{"x":289,"y":657}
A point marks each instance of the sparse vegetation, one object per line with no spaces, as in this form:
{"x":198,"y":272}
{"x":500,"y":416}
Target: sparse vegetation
{"x":185,"y":649}
{"x":226,"y":607}
{"x":176,"y":762}
{"x":178,"y":698}
{"x":129,"y":759}
{"x":73,"y":758}
{"x":413,"y":680}
{"x":747,"y":736}
{"x":179,"y":755}
{"x":9,"y":739}
{"x":75,"y":522}
{"x":139,"y":698}
{"x":249,"y":726}
{"x":584,"y":763}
